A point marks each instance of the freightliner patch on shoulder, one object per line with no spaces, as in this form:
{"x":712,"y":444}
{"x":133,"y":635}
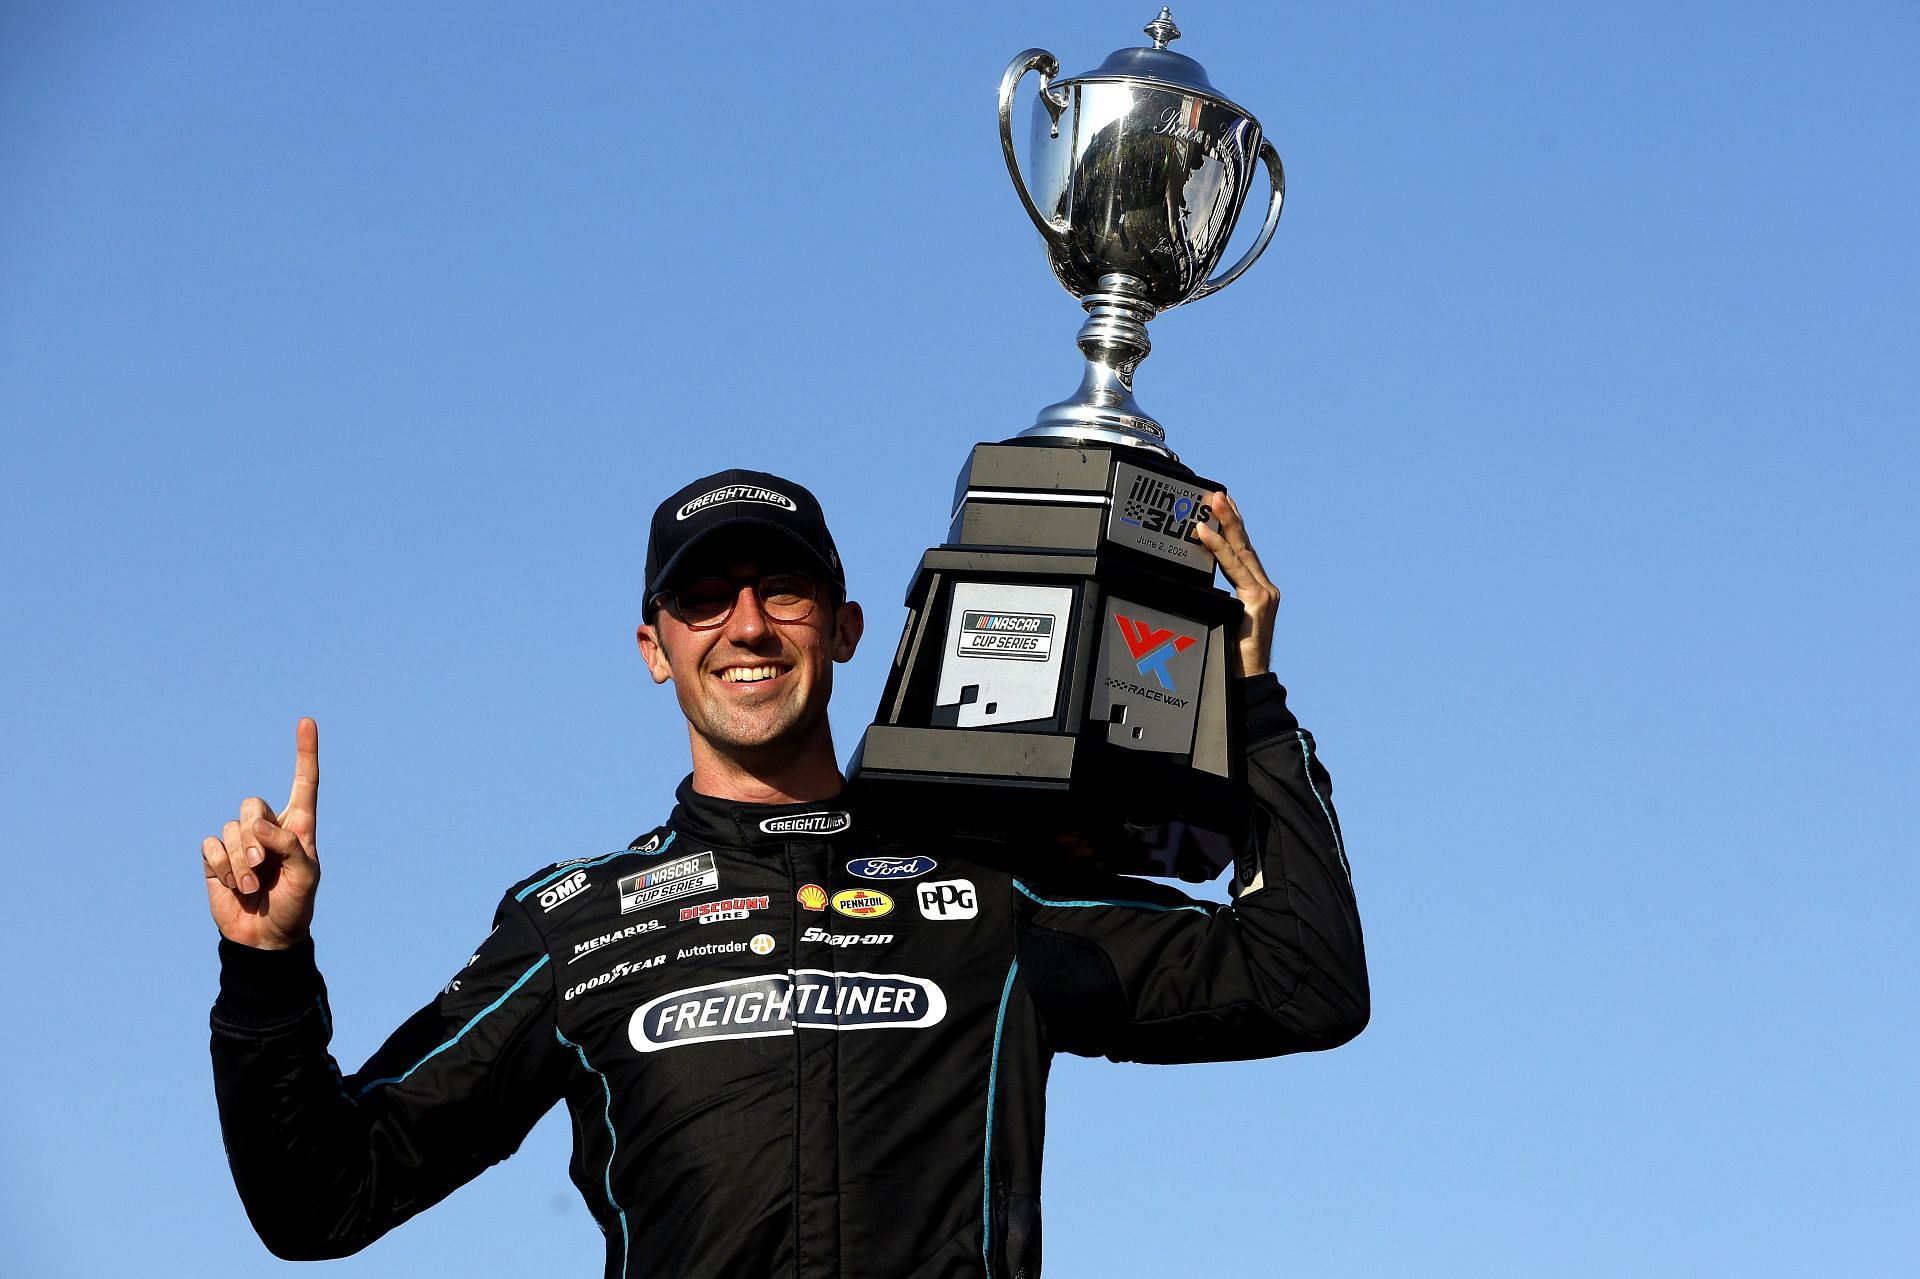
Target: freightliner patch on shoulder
{"x":778,"y":1003}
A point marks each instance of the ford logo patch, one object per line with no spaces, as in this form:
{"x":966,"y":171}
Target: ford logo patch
{"x":890,"y":867}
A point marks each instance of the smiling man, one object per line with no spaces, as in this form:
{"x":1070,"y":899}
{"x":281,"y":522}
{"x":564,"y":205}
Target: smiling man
{"x":794,"y":1041}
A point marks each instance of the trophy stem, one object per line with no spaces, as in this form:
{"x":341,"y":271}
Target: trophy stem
{"x":1114,"y":340}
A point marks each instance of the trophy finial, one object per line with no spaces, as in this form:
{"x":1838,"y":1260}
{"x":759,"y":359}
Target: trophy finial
{"x":1162,"y":29}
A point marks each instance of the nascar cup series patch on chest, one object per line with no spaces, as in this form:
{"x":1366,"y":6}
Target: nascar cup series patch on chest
{"x":682,"y":877}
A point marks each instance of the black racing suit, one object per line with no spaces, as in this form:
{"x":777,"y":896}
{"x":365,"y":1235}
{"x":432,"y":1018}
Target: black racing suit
{"x":790,"y":1047}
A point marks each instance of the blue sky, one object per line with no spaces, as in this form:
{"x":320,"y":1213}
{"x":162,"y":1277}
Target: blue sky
{"x":345,"y":349}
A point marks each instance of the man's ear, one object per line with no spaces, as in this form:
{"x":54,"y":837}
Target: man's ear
{"x":848,"y":625}
{"x":652,"y":653}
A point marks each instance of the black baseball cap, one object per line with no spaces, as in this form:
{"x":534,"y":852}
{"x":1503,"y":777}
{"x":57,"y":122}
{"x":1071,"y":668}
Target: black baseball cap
{"x":732,"y":502}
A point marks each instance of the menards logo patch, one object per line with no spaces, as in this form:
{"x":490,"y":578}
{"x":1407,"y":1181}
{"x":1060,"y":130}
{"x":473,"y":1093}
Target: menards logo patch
{"x":862,"y":903}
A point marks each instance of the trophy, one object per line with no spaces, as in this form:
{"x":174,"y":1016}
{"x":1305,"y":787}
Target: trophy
{"x":1064,"y":662}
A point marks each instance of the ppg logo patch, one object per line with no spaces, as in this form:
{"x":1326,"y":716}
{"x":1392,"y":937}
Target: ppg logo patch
{"x":948,"y":899}
{"x":778,"y":1003}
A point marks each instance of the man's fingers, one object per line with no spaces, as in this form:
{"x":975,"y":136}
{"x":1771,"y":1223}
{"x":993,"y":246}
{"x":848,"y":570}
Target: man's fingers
{"x":1231,"y":546}
{"x":240,"y":875}
{"x":277,"y":840}
{"x":305,"y":796}
{"x":213,"y":854}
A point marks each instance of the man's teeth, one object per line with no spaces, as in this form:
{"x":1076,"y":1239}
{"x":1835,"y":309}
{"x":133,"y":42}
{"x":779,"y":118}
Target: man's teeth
{"x":748,"y":674}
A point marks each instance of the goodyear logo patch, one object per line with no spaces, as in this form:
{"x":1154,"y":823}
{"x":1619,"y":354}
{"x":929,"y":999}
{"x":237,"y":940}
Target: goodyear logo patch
{"x":862,"y":903}
{"x":780,"y":1003}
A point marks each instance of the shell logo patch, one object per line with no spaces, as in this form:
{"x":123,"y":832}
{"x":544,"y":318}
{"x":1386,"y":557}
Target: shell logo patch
{"x":862,"y":903}
{"x":812,"y":897}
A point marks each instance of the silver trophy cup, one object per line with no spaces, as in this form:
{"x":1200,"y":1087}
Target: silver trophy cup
{"x":1064,"y":670}
{"x":1137,"y":173}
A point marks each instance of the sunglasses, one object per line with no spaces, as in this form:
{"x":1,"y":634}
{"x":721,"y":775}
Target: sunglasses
{"x":707,"y":602}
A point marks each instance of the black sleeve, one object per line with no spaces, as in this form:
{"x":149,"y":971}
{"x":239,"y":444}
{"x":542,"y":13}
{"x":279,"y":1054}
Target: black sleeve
{"x":324,"y":1164}
{"x":1135,"y":971}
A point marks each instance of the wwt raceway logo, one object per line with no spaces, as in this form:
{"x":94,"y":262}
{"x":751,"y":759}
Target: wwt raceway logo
{"x":1153,"y":647}
{"x":777,"y":1003}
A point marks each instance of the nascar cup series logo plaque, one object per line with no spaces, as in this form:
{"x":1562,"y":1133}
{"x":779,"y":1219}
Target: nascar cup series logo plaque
{"x":1068,"y":636}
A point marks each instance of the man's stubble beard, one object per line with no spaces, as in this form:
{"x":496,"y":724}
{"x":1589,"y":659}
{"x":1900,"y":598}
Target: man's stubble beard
{"x":756,"y":735}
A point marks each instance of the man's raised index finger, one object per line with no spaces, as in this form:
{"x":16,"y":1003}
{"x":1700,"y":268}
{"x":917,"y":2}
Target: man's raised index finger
{"x":306,"y":767}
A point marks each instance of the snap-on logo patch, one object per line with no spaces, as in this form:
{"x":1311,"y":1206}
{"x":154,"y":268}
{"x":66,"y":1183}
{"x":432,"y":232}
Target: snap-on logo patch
{"x":778,"y":1003}
{"x":808,"y":824}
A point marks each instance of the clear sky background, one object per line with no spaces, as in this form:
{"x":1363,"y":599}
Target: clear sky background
{"x":344,"y":350}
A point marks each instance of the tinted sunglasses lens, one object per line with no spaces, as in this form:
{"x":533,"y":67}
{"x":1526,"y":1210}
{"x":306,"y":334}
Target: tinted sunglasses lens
{"x":787,"y":597}
{"x":704,"y":601}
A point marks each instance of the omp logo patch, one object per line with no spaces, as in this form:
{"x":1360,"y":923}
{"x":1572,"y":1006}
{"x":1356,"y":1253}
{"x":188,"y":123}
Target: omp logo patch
{"x":808,"y":824}
{"x":862,"y":903}
{"x":890,"y":867}
{"x":1153,"y":647}
{"x":553,"y":894}
{"x":780,"y":1003}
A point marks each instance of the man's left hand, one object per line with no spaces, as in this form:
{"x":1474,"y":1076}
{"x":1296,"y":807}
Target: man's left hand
{"x":1257,"y":594}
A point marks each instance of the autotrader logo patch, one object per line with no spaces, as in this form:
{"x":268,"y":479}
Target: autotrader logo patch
{"x":778,"y":1003}
{"x":1153,"y":647}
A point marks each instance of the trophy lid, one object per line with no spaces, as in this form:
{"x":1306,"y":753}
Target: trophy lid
{"x":1159,"y":63}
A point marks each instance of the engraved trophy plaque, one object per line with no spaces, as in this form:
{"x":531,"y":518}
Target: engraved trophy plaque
{"x":1064,"y":662}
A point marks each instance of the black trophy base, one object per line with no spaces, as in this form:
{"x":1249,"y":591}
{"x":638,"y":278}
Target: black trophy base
{"x":1062,"y":679}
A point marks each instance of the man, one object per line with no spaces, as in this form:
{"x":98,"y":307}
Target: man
{"x":791,"y":1043}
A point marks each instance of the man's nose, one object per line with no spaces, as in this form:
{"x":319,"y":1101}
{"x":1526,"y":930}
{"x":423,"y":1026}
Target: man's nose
{"x":748,"y":621}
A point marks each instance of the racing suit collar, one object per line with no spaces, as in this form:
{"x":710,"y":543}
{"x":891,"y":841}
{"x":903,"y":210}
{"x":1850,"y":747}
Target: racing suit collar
{"x":740,"y":825}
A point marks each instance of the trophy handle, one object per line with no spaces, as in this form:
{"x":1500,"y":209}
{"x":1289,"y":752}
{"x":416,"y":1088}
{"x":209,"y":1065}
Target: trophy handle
{"x":1047,"y":65}
{"x":1277,"y":178}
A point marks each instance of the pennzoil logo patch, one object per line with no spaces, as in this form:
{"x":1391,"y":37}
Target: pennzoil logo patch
{"x":861,"y":903}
